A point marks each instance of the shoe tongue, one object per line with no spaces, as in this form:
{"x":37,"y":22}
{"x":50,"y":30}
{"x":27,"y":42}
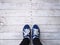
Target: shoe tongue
{"x":26,"y":32}
{"x":36,"y":32}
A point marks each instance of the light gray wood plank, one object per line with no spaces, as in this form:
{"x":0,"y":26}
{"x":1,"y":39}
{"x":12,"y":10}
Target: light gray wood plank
{"x":17,"y":20}
{"x":46,"y":1}
{"x":12,"y":28}
{"x":11,"y":35}
{"x":45,"y":4}
{"x":50,"y":42}
{"x":48,"y":36}
{"x":46,"y":30}
{"x":15,"y":1}
{"x":18,"y":28}
{"x":15,"y":6}
{"x":10,"y":42}
{"x":17,"y":42}
{"x":14,"y":13}
{"x":49,"y":12}
{"x":46,"y":20}
{"x":48,"y":26}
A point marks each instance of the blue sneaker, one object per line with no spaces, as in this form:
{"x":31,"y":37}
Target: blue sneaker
{"x":27,"y":31}
{"x":35,"y":32}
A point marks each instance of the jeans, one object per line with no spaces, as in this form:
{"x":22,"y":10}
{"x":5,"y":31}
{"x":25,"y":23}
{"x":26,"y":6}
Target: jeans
{"x":26,"y":41}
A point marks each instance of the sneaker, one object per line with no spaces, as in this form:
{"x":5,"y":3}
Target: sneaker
{"x":27,"y":31}
{"x":35,"y":32}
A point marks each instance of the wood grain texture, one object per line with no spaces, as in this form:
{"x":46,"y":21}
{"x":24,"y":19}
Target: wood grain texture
{"x":15,"y":14}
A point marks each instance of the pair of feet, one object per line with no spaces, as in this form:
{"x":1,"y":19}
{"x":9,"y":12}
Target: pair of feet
{"x":28,"y":32}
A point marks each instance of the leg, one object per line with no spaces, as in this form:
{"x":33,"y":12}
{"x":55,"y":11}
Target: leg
{"x":26,"y":35}
{"x":36,"y":41}
{"x":25,"y":41}
{"x":36,"y":35}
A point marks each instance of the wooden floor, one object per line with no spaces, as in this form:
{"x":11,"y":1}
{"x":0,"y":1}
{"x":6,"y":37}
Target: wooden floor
{"x":14,"y":14}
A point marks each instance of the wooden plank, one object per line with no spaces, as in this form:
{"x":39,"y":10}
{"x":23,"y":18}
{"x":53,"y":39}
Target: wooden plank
{"x":17,"y":20}
{"x":46,"y":12}
{"x":46,"y":4}
{"x":18,"y":28}
{"x":48,"y":26}
{"x":51,"y":42}
{"x":12,"y":6}
{"x":47,"y":30}
{"x":11,"y":35}
{"x":21,"y":13}
{"x":12,"y":28}
{"x":10,"y":42}
{"x":15,"y":1}
{"x":50,"y":36}
{"x":45,"y":36}
{"x":46,"y":20}
{"x":17,"y":42}
{"x":46,"y":1}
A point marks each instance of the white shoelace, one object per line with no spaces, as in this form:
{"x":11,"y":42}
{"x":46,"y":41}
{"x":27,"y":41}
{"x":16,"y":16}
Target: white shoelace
{"x":36,"y":32}
{"x":26,"y":32}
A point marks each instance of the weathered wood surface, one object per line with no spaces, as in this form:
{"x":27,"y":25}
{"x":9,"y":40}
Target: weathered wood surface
{"x":14,"y":14}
